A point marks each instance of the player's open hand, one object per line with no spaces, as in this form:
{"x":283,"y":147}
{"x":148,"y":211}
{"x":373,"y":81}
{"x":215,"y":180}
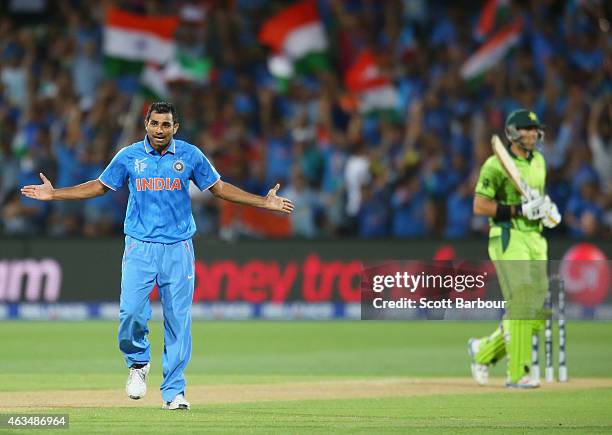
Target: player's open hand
{"x":278,"y":203}
{"x":43,"y":192}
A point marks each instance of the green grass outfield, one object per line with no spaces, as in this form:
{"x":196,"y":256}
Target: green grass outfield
{"x":46,"y":357}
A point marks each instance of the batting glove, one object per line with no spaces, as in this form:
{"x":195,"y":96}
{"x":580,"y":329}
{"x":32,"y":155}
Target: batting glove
{"x":529,"y":193}
{"x":533,"y":209}
{"x":551,"y":217}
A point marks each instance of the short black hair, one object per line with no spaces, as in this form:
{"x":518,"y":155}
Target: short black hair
{"x":162,"y":107}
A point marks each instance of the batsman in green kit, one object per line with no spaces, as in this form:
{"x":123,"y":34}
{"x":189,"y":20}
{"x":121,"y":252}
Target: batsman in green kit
{"x":517,"y":248}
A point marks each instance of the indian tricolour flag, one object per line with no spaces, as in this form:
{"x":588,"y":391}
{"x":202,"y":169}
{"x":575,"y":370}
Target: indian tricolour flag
{"x":153,"y":82}
{"x":375,"y":91}
{"x":296,"y":33}
{"x":491,"y":14}
{"x":155,"y":78}
{"x":184,"y":68}
{"x":492,"y":52}
{"x":132,"y":39}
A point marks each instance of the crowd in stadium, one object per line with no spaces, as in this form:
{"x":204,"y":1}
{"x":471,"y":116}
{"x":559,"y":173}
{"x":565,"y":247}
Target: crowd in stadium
{"x":403,"y":174}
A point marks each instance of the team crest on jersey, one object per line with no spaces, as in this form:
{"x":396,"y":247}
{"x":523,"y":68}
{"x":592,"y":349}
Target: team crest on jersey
{"x":178,"y":166}
{"x":140,"y":165}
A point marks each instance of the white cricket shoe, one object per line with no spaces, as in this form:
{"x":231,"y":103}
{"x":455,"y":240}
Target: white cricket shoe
{"x":526,"y":382}
{"x":480,"y":372}
{"x":179,"y":402}
{"x":136,"y":385}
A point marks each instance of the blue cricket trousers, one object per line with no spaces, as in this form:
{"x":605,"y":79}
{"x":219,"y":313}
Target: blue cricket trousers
{"x":172,"y":267}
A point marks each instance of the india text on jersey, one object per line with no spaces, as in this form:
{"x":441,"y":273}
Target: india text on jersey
{"x":157,"y":183}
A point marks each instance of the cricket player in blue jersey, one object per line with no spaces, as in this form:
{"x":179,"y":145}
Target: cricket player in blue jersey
{"x":158,"y":250}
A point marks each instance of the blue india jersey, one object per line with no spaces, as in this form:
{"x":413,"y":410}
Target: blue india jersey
{"x":159,"y":206}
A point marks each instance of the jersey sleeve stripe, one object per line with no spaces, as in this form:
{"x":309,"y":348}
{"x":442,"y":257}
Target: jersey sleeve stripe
{"x":212,"y":184}
{"x":110,"y":187}
{"x":484,"y":195}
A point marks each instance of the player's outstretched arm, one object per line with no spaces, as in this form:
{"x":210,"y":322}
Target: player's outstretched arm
{"x":46,"y":192}
{"x":271,"y":201}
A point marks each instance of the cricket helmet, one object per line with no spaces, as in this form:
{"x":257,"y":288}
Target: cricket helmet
{"x":522,"y":118}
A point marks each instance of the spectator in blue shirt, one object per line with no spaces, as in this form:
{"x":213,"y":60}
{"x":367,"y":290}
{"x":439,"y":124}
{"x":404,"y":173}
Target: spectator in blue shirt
{"x":409,"y":203}
{"x":459,"y":211}
{"x":584,"y":215}
{"x":374,"y":216}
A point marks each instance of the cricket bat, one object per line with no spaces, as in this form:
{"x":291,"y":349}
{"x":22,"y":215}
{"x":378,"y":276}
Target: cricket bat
{"x":511,"y":170}
{"x":508,"y":164}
